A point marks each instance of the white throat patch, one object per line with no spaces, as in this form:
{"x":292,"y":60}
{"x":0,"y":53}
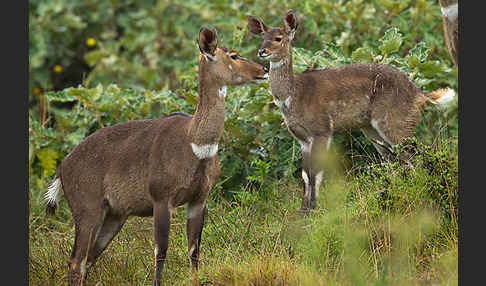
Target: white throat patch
{"x":450,"y":12}
{"x":281,"y":103}
{"x":222,"y":92}
{"x":204,"y":151}
{"x":274,"y":65}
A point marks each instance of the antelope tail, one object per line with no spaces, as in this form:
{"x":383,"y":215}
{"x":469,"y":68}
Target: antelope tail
{"x":53,"y":196}
{"x":441,"y":97}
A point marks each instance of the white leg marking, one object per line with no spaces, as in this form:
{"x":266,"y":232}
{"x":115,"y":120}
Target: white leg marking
{"x":450,"y":12}
{"x":191,"y":250}
{"x":53,"y":194}
{"x":222,"y":92}
{"x":307,"y":193}
{"x":156,"y":252}
{"x":204,"y":151}
{"x":319,"y":178}
{"x":306,"y":146}
{"x":82,"y":266}
{"x":374,"y":123}
{"x":305,"y":177}
{"x":329,"y":140}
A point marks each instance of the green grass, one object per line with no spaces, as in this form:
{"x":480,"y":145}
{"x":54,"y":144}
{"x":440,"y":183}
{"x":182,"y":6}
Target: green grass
{"x":379,"y":224}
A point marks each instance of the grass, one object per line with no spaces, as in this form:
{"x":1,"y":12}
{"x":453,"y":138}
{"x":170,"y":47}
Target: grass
{"x":379,"y":224}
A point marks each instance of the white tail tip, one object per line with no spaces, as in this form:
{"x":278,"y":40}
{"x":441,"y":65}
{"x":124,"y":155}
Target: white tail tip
{"x":447,"y":98}
{"x":53,"y":194}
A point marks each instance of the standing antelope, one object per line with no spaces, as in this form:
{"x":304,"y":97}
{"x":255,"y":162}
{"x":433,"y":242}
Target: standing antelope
{"x":150,"y":167}
{"x":449,"y":9}
{"x":378,"y":99}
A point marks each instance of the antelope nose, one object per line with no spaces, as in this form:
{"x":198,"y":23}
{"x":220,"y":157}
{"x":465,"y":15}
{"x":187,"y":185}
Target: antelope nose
{"x":261,"y":52}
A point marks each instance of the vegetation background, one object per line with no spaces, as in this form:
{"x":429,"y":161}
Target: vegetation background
{"x":97,"y":63}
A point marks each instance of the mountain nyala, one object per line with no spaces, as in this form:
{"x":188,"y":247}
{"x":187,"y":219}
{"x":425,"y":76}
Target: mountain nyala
{"x":377,"y":99}
{"x":150,"y":167}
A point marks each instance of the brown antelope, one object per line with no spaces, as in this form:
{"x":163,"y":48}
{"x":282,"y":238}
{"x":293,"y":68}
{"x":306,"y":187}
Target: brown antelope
{"x":149,"y":167}
{"x":376,"y":98}
{"x":449,"y":9}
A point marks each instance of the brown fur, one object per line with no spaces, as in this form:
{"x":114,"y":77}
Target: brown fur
{"x":147,"y":167}
{"x":451,"y":32}
{"x":378,"y":99}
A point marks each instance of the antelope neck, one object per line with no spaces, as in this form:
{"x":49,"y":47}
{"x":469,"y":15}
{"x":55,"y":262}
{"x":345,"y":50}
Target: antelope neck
{"x":207,"y":123}
{"x":282,"y":79}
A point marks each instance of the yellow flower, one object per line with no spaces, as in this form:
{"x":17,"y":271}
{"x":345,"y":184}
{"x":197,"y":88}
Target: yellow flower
{"x":36,"y":91}
{"x":58,"y":69}
{"x":90,"y":42}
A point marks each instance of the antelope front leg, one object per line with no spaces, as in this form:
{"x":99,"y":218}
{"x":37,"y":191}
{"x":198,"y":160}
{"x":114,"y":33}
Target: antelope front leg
{"x":313,"y":170}
{"x":195,"y":223}
{"x":161,"y":235}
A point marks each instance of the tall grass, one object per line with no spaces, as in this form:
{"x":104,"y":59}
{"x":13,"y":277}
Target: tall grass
{"x":379,"y":224}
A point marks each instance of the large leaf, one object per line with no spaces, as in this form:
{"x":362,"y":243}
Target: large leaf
{"x":391,"y":41}
{"x":47,"y":160}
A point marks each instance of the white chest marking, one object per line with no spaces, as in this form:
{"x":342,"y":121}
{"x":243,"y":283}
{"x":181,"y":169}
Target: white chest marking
{"x":222,"y":92}
{"x":450,"y":12}
{"x":204,"y":151}
{"x":306,"y":146}
{"x":281,"y":103}
{"x":287,"y":101}
{"x":274,"y":65}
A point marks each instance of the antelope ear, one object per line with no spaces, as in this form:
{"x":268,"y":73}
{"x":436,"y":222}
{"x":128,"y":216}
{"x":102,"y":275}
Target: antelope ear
{"x":208,"y":42}
{"x":256,"y":26}
{"x":290,"y":23}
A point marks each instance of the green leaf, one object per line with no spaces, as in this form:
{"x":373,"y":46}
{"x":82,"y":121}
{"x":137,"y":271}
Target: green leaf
{"x":60,"y":96}
{"x":391,"y":41}
{"x":75,"y":137}
{"x":418,"y":54}
{"x":363,"y":55}
{"x":93,"y":57}
{"x":430,"y":68}
{"x":334,"y":51}
{"x":47,"y":160}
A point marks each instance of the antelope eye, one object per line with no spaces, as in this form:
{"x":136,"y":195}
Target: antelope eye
{"x":234,"y":57}
{"x":278,"y":39}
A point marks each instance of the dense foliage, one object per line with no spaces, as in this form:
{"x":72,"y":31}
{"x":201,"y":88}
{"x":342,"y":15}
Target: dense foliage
{"x":98,"y":63}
